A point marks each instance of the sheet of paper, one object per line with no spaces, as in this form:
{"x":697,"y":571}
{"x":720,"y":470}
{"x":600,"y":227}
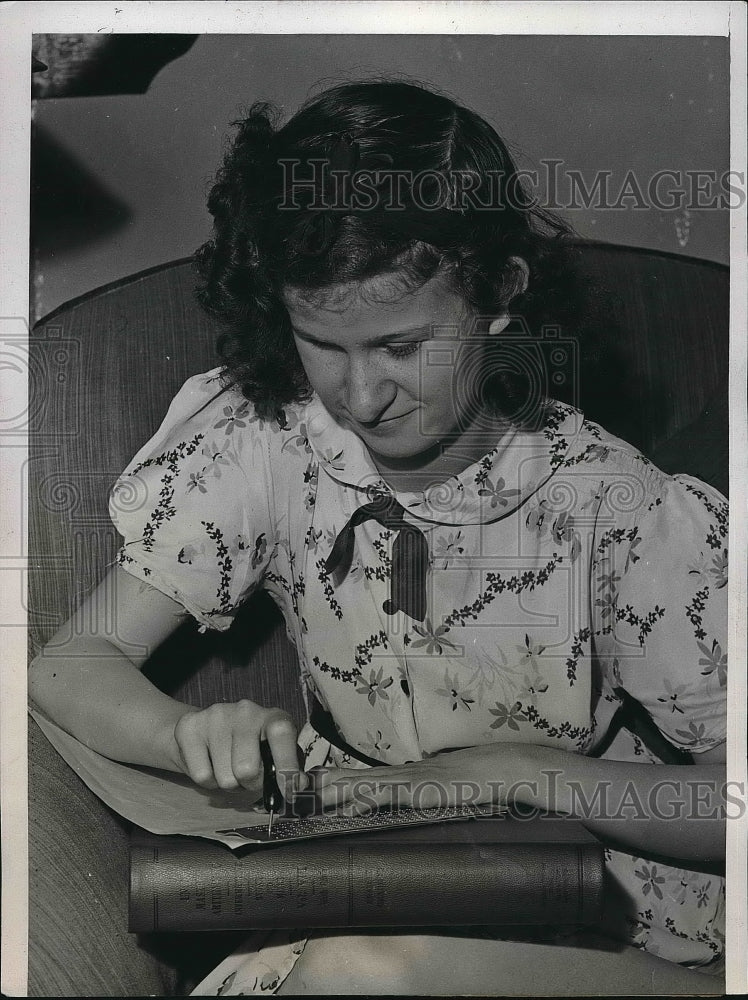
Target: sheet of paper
{"x":159,"y":801}
{"x":166,"y":803}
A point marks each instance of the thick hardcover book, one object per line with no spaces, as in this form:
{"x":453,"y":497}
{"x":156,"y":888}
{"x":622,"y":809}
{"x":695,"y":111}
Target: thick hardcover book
{"x":486,"y":870}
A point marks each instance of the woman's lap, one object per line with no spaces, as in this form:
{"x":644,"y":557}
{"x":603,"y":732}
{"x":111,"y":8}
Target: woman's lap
{"x":440,"y":963}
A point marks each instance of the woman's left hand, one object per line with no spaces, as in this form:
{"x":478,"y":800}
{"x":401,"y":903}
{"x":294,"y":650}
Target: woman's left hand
{"x":601,"y":793}
{"x":466,"y":777}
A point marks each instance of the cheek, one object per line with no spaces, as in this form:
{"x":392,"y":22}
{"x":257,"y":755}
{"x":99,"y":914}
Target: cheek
{"x":468,"y":379}
{"x":435,"y":386}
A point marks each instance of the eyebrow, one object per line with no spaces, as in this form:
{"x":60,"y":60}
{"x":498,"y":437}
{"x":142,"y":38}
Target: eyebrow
{"x":375,"y":341}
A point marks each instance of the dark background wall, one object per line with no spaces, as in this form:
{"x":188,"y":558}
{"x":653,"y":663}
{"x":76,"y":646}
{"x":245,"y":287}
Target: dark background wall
{"x":128,"y":177}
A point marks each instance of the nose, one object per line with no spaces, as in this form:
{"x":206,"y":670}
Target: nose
{"x":369,"y":391}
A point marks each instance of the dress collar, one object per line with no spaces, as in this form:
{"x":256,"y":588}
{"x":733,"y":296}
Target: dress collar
{"x":488,"y":490}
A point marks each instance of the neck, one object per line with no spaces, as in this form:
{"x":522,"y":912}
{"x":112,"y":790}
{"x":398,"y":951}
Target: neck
{"x":449,"y":457}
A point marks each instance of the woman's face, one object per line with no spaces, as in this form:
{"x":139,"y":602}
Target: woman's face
{"x":385,"y":362}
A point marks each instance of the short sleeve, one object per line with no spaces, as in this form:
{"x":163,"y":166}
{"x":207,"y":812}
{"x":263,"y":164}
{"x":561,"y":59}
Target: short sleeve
{"x":661,"y":609}
{"x":195,"y":525}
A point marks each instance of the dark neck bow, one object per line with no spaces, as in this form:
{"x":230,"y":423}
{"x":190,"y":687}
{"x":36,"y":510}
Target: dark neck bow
{"x":410,"y":556}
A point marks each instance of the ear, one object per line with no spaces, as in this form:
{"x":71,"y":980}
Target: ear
{"x":498,"y":324}
{"x":516,"y":279}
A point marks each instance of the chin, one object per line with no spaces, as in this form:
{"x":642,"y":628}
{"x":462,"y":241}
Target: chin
{"x":403,"y":451}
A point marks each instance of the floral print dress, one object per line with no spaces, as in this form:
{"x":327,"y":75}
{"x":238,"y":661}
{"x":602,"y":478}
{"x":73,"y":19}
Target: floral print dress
{"x":564,"y":574}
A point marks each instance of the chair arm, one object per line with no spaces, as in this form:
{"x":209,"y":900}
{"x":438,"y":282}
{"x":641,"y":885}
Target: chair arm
{"x":78,"y":884}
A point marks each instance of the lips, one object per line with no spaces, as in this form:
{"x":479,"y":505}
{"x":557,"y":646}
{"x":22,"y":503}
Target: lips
{"x":387,"y":421}
{"x":398,"y":417}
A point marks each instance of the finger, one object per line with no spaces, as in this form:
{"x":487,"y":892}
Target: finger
{"x":246,"y":763}
{"x":357,"y":792}
{"x":354,"y":808}
{"x":322,"y":776}
{"x":321,"y":780}
{"x":220,"y":744}
{"x":280,"y":732}
{"x":333,"y":787}
{"x":194,"y":754}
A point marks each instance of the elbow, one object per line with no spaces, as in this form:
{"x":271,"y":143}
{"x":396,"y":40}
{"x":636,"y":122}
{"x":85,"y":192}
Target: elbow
{"x":38,"y":681}
{"x":45,"y":682}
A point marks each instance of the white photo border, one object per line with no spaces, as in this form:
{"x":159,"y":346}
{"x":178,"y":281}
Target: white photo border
{"x":18,"y":21}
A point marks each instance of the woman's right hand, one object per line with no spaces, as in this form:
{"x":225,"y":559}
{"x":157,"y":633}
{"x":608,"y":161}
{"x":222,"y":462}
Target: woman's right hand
{"x":219,"y":747}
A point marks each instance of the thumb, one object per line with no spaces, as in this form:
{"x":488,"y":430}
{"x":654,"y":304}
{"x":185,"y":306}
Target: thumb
{"x":280,"y":732}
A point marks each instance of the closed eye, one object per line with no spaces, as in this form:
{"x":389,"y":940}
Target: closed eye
{"x":320,"y":344}
{"x":394,"y":350}
{"x":403,"y":350}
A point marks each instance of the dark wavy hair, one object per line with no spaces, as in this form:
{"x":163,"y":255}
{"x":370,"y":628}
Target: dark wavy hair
{"x":270,"y":235}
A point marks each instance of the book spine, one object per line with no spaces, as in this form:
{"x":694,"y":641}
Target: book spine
{"x":175,"y":887}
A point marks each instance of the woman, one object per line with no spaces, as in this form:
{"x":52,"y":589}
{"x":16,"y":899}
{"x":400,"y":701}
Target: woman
{"x":475,"y":577}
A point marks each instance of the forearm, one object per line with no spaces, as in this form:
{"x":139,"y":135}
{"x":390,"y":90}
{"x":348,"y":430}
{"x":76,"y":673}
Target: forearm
{"x":672,"y":810}
{"x":100,"y":696}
